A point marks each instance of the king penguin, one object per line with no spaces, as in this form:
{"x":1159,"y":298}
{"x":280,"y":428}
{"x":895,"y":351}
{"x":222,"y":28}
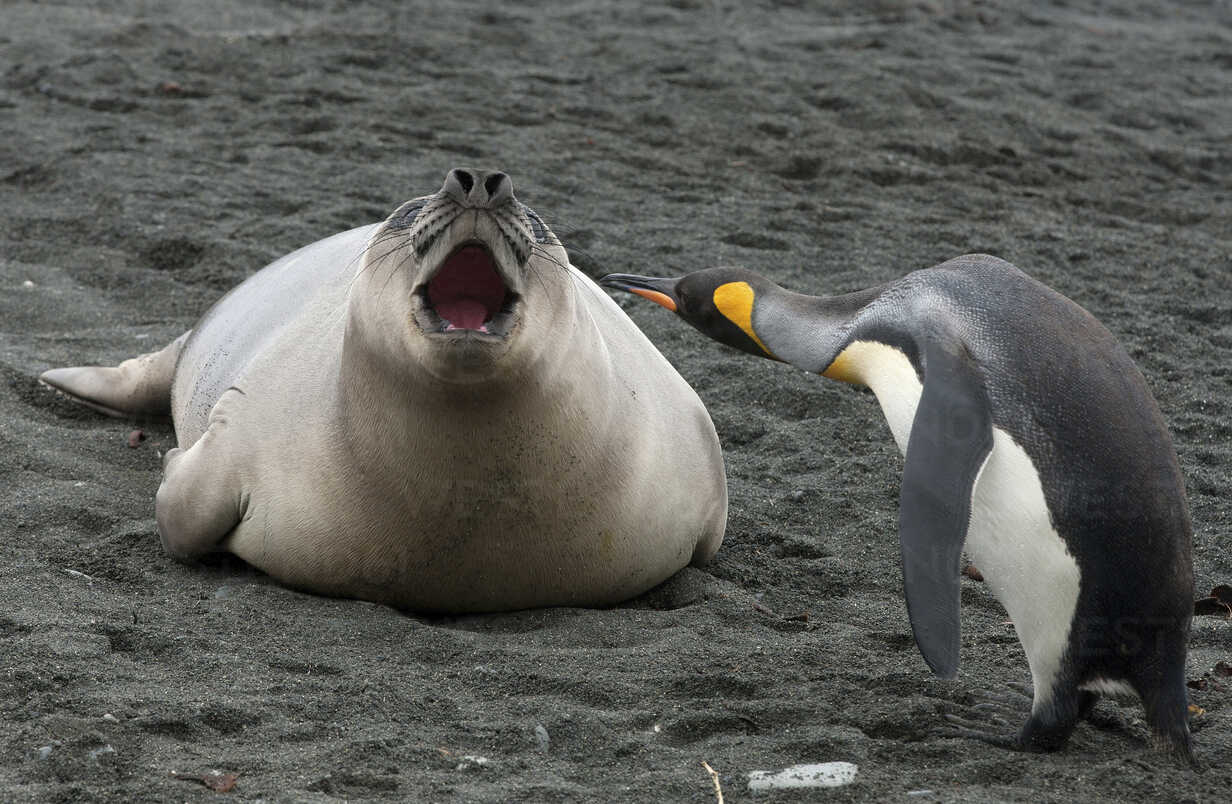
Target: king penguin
{"x":1031,"y":439}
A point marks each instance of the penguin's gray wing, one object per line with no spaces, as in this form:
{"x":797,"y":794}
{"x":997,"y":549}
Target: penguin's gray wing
{"x":951,"y":436}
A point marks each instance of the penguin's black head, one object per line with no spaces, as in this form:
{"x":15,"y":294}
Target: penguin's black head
{"x":716,"y":301}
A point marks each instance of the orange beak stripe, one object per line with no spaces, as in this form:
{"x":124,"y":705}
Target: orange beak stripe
{"x":656,"y":297}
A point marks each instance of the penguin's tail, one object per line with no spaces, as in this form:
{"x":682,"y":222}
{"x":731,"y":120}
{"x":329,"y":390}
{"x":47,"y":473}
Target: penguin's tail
{"x":1176,"y":743}
{"x":1167,"y":713}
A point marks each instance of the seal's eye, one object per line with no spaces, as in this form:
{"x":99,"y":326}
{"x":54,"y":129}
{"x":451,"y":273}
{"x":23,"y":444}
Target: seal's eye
{"x":407,"y":216}
{"x":536,"y":225}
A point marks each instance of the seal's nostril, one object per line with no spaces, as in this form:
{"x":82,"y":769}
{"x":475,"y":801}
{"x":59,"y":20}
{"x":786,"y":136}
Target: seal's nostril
{"x":493,"y":183}
{"x":465,"y":179}
{"x":478,"y":189}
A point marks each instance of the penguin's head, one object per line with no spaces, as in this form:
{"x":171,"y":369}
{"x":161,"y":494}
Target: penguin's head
{"x":716,"y":301}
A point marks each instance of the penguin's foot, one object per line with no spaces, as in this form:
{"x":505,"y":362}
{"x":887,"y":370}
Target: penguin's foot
{"x":994,"y":716}
{"x":1031,"y":738}
{"x":991,"y":731}
{"x":1023,"y":689}
{"x":1012,"y":702}
{"x":1017,"y":695}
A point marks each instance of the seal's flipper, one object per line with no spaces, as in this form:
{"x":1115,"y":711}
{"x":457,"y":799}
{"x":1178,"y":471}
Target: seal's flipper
{"x":200,"y":499}
{"x":951,"y":436}
{"x":138,"y":388}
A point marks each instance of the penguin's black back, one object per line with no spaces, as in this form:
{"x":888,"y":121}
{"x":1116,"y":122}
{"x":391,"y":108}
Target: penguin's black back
{"x":1067,"y":392}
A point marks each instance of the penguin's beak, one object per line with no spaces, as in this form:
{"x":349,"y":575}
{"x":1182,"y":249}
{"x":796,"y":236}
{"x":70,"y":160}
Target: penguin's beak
{"x":658,"y":290}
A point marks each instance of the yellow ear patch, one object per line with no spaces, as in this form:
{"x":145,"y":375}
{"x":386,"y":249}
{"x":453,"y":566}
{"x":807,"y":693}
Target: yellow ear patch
{"x":735,"y":301}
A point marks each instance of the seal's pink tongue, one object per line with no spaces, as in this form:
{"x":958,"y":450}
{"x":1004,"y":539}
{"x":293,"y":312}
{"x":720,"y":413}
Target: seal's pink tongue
{"x":463,"y":314}
{"x":467,"y":291}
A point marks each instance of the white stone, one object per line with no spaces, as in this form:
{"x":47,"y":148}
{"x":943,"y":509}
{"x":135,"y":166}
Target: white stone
{"x":98,"y":753}
{"x":822,"y":774}
{"x":470,"y":761}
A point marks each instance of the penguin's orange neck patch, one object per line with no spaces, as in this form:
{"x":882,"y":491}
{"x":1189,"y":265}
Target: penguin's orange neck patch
{"x":735,"y":301}
{"x":868,"y":363}
{"x":845,"y":367}
{"x":656,"y":297}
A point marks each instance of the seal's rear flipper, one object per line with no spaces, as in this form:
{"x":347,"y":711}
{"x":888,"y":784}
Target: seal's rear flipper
{"x":138,"y":388}
{"x":951,"y":437}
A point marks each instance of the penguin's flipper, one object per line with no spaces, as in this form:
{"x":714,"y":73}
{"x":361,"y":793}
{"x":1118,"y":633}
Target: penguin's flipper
{"x":951,"y":437}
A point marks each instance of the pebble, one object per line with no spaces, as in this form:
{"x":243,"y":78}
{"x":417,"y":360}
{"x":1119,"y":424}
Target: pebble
{"x":541,"y":737}
{"x":823,"y":774}
{"x":100,"y":752}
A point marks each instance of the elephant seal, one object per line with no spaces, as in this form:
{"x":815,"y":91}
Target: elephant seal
{"x":438,"y":412}
{"x":1031,"y":437}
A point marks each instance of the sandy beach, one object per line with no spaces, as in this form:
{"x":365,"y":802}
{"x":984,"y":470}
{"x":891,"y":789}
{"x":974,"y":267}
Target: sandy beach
{"x":153,"y":155}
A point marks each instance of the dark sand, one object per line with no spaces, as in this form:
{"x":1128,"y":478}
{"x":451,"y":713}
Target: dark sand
{"x":154,"y":154}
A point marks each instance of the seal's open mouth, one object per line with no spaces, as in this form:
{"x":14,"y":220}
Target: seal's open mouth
{"x":467,"y":293}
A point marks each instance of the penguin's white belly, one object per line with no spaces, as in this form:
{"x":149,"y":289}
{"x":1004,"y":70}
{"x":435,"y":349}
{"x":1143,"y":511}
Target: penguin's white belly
{"x":1023,"y":559}
{"x":1010,"y":536}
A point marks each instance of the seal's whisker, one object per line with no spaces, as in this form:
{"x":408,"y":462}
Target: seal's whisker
{"x":395,"y":267}
{"x":366,"y":250}
{"x":379,"y":240}
{"x":398,"y":235}
{"x":535,"y":272}
{"x":381,"y":258}
{"x":549,"y":256}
